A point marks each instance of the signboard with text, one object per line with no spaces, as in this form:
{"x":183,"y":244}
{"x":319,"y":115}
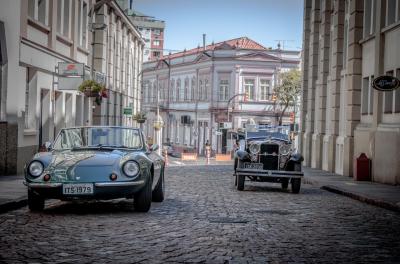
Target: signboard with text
{"x":128,"y":111}
{"x":385,"y":83}
{"x":70,"y":75}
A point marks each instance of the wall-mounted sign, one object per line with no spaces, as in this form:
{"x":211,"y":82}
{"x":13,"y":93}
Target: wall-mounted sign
{"x":128,"y":111}
{"x":385,"y":83}
{"x":71,"y":69}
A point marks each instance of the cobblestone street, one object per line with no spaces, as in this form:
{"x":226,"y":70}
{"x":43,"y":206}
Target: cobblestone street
{"x":205,"y":219}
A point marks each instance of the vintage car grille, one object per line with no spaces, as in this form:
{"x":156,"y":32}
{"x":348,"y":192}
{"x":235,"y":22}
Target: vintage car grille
{"x":270,"y":162}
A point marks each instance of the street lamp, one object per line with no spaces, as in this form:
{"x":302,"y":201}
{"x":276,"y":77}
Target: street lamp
{"x":229,"y":101}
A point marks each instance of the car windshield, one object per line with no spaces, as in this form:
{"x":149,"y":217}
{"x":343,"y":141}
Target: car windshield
{"x":271,"y":132}
{"x":98,"y":137}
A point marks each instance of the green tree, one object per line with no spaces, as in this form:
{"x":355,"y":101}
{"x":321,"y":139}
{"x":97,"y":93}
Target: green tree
{"x":288,"y":90}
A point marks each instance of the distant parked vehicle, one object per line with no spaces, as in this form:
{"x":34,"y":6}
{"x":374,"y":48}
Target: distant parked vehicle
{"x":99,"y":162}
{"x":265,"y":154}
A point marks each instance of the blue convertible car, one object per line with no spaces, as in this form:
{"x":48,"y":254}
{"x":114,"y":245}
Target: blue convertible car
{"x":97,"y":163}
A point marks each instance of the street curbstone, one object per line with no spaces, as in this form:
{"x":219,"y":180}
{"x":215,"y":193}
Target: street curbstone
{"x":13,"y":204}
{"x":361,"y":198}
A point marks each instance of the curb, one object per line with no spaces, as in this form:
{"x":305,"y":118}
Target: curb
{"x":355,"y":196}
{"x":13,"y":204}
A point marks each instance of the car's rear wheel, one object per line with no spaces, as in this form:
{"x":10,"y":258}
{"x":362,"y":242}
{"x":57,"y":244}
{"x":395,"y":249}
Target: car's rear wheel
{"x":142,"y":199}
{"x":285,"y":183}
{"x":296,"y":184}
{"x":158,"y":193}
{"x":35,"y":201}
{"x":240,"y":182}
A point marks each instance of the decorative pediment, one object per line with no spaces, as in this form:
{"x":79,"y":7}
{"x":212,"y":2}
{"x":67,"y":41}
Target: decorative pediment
{"x":161,"y":64}
{"x":259,"y":56}
{"x":224,"y":46}
{"x":202,"y":57}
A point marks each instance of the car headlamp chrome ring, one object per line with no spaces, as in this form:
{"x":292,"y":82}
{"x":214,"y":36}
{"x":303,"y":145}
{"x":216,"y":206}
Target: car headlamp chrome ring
{"x":254,"y":148}
{"x":284,"y":149}
{"x":35,"y":168}
{"x":130,"y":168}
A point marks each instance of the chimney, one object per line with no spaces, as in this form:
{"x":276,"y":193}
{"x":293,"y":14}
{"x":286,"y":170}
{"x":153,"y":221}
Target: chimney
{"x":204,"y":42}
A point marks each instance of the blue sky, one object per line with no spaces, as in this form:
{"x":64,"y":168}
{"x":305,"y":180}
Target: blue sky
{"x":261,"y":20}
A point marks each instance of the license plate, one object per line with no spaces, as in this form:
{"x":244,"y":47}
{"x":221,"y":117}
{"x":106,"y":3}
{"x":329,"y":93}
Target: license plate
{"x":77,"y":189}
{"x":253,"y":166}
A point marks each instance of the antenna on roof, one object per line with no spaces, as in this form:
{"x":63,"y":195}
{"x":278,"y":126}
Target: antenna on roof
{"x":283,"y":42}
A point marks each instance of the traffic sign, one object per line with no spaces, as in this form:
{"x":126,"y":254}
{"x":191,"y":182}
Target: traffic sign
{"x":128,"y":111}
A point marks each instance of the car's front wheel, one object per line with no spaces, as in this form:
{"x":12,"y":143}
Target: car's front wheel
{"x":142,"y":199}
{"x":240,"y":182}
{"x":35,"y":201}
{"x":159,"y":191}
{"x":296,"y":184}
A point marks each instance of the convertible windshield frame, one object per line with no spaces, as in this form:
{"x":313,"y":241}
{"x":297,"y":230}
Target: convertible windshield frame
{"x":85,"y":145}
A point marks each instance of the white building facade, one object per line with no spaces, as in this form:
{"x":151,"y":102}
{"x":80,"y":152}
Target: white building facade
{"x":200,"y":91}
{"x":346,"y":44}
{"x":37,"y":36}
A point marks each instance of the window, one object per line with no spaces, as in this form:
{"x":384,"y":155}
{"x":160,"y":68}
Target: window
{"x":201,"y":90}
{"x":156,"y":54}
{"x":223,"y":90}
{"x":249,"y":88}
{"x":172,"y":90}
{"x":156,"y":31}
{"x":193,"y":88}
{"x":63,"y":17}
{"x":205,"y":93}
{"x":397,"y":94}
{"x":82,"y":22}
{"x":390,"y":12}
{"x":186,"y":92}
{"x":146,"y":52}
{"x":156,"y":43}
{"x":367,"y":94}
{"x":38,"y":10}
{"x":178,"y":90}
{"x":264,"y":90}
{"x":369,"y":18}
{"x":388,"y":98}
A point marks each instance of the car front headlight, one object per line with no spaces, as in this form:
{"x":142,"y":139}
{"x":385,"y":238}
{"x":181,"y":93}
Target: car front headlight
{"x":131,"y":168}
{"x":254,"y":148}
{"x":35,"y":168}
{"x":284,"y":149}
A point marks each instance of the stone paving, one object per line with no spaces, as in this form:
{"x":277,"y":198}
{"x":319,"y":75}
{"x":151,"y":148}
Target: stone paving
{"x":205,"y":220}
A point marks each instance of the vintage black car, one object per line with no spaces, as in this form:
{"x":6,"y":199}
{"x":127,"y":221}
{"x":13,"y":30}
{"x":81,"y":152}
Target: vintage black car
{"x":97,"y":163}
{"x":266,"y":155}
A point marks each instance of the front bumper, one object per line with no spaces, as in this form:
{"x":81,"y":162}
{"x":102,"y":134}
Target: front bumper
{"x":102,"y":190}
{"x":269,"y":173}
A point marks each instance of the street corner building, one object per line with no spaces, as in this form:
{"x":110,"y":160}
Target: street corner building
{"x":346,"y":44}
{"x":38,"y":37}
{"x":209,"y":92}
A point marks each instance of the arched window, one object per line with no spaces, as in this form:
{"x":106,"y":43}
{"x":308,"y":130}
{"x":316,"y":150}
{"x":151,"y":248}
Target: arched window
{"x":178,"y":90}
{"x":205,"y":92}
{"x":154,"y":92}
{"x":186,"y":92}
{"x":193,"y":93}
{"x":172,"y":88}
{"x":201,"y":90}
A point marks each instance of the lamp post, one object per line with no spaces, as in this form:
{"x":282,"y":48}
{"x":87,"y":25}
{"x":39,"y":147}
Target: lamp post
{"x":229,"y":101}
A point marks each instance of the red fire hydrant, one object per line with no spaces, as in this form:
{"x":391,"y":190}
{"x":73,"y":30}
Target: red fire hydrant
{"x":362,"y":170}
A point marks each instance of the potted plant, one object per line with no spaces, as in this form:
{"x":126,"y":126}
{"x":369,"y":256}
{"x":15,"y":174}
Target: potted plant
{"x":92,"y":88}
{"x":140,"y":117}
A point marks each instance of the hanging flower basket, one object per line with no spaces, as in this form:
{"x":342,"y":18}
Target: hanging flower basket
{"x":90,"y":93}
{"x":91,"y":88}
{"x":158,"y":125}
{"x":140,"y":117}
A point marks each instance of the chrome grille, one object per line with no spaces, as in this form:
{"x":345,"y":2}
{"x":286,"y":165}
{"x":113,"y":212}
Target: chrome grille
{"x":269,"y":161}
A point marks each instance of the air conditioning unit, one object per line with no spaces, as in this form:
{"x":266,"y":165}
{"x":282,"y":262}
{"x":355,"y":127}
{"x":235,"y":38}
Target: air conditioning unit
{"x":185,"y":119}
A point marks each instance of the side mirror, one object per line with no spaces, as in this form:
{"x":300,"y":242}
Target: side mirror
{"x":154,"y":147}
{"x":47,"y":145}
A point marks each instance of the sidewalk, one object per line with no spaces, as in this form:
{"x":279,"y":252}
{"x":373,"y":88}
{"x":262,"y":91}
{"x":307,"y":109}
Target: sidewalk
{"x":13,"y":193}
{"x":382,"y":195}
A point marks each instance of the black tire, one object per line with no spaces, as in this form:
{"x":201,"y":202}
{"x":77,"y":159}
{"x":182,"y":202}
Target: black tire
{"x":296,"y":184}
{"x":142,"y":199}
{"x":285,"y":184}
{"x":159,"y":191}
{"x":240,"y":182}
{"x":35,"y":201}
